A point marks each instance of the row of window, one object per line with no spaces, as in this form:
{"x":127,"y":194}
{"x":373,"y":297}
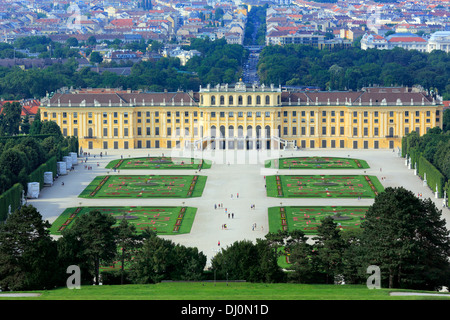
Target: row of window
{"x":332,"y":144}
{"x":240,"y":114}
{"x":355,"y":113}
{"x":240,"y":100}
{"x":240,"y":130}
{"x":303,"y":144}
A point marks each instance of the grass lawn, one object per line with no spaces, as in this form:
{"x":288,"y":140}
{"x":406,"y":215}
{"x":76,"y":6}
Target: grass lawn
{"x":145,"y":186}
{"x":316,"y":163}
{"x":323,"y":186}
{"x":159,"y":163}
{"x":164,"y":220}
{"x":223,"y":292}
{"x":307,"y":218}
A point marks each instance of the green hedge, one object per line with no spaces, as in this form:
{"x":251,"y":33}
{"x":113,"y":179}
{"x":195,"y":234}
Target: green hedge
{"x":414,"y":156}
{"x":12,"y":197}
{"x":404,"y":146}
{"x":434,"y":176}
{"x":38,"y":174}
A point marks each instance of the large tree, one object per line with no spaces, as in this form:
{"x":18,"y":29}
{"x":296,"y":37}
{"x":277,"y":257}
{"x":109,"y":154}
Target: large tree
{"x":94,"y":237}
{"x":10,"y":118}
{"x":330,"y":247}
{"x":406,"y":237}
{"x":127,"y":241}
{"x":27,"y":253}
{"x":244,"y":260}
{"x":160,"y":259}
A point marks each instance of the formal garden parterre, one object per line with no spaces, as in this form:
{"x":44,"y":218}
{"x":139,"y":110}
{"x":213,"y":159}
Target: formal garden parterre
{"x":155,"y":163}
{"x":164,"y":220}
{"x":316,"y":163}
{"x":145,"y":186}
{"x":323,"y":186}
{"x":308,"y":218}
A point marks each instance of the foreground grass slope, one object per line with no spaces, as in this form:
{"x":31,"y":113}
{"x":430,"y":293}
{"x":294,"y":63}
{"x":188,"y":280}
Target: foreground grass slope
{"x":222,"y":291}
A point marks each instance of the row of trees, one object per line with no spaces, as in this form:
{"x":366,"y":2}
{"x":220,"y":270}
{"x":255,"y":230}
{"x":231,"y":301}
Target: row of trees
{"x":434,"y":147}
{"x":30,"y":259}
{"x":403,"y":235}
{"x":256,"y":19}
{"x":20,"y":155}
{"x":353,"y":68}
{"x":220,"y":62}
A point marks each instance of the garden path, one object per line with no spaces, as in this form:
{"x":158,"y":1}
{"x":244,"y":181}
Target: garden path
{"x":230,"y":174}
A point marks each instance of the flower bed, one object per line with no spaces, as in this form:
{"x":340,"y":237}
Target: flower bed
{"x":147,"y":186}
{"x":326,"y":186}
{"x":70,"y":219}
{"x":308,"y":219}
{"x":164,"y":220}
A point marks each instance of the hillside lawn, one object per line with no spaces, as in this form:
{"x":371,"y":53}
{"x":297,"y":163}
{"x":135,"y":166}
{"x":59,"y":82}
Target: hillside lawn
{"x":203,"y":290}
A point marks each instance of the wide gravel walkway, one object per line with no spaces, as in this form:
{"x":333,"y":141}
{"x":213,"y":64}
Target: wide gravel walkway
{"x":232,"y":173}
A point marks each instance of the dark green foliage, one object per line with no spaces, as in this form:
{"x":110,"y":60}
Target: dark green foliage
{"x":434,"y":177}
{"x":330,"y":247}
{"x":244,"y":260}
{"x":407,"y":238}
{"x":24,"y":159}
{"x":159,"y":259}
{"x":93,"y":237}
{"x":11,"y":197}
{"x":434,"y":148}
{"x":446,"y":120}
{"x":28,"y":253}
{"x":10,"y":118}
{"x":220,"y":63}
{"x":353,"y":68}
{"x":127,"y":242}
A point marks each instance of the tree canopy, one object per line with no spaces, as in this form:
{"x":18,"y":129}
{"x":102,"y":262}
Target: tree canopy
{"x":406,"y":237}
{"x":354,"y":68}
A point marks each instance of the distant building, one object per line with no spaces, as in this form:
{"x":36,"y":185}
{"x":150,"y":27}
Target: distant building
{"x":407,"y":41}
{"x":439,"y":41}
{"x":122,"y":55}
{"x":373,"y":41}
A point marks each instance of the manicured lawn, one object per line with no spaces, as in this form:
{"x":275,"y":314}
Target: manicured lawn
{"x":323,"y":186}
{"x":224,"y":292}
{"x":159,"y":163}
{"x":307,"y":218}
{"x":316,"y":163}
{"x":163,"y":220}
{"x":145,"y":186}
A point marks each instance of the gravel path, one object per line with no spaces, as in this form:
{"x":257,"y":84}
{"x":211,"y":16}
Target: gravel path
{"x":231,"y":173}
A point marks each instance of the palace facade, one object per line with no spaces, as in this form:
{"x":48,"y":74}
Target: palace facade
{"x":243,"y":116}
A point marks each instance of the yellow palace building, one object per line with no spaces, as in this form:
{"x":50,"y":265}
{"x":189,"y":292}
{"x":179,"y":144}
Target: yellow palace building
{"x":243,"y":116}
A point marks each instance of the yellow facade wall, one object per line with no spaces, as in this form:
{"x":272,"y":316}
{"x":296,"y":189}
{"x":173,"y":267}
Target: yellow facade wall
{"x":310,"y":126}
